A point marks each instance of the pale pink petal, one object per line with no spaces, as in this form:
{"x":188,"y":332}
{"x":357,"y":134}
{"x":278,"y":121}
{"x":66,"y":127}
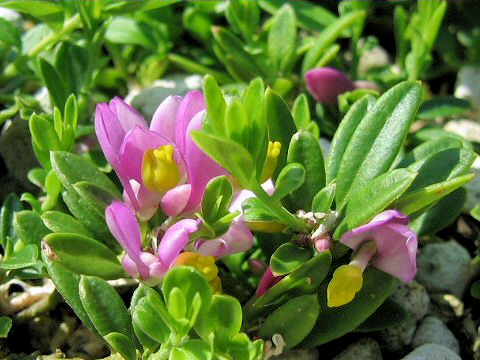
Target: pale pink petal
{"x":165,"y":117}
{"x":396,"y":251}
{"x":175,"y":239}
{"x":175,"y":200}
{"x":325,"y":84}
{"x":127,"y":116}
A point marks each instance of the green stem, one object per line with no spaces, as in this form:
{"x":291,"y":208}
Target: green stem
{"x":281,"y":213}
{"x":70,"y":25}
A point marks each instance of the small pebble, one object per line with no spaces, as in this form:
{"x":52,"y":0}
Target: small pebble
{"x":444,"y":268}
{"x":364,"y":349}
{"x":432,"y":352}
{"x":396,"y":338}
{"x":433,"y":330}
{"x":413,"y":298}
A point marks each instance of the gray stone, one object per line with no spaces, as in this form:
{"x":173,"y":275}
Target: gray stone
{"x":397,"y":338}
{"x":468,"y":84}
{"x":444,"y":268}
{"x":16,"y":151}
{"x":302,"y":354}
{"x":433,"y":330}
{"x":364,"y":348}
{"x":414,"y":299}
{"x":432,"y":352}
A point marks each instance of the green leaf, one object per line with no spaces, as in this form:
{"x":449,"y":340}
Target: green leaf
{"x":282,"y":39}
{"x":254,"y":102}
{"x":305,"y":149}
{"x":441,"y":166}
{"x":475,"y":289}
{"x":241,"y":348}
{"x":128,"y":7}
{"x":344,"y":133}
{"x":232,"y":156}
{"x":323,"y":200}
{"x":72,"y":169}
{"x":475,"y":212}
{"x":21,"y":259}
{"x":29,"y":227}
{"x":338,"y":321}
{"x":141,"y":292}
{"x":429,"y":148}
{"x":84,"y":255}
{"x":310,"y":16}
{"x":416,"y":200}
{"x":380,"y":192}
{"x":44,"y":139}
{"x":236,"y":123}
{"x":377,"y":139}
{"x":10,"y":206}
{"x":45,"y":11}
{"x":5,"y":325}
{"x":66,"y":282}
{"x":95,"y":195}
{"x":281,"y":125}
{"x":285,"y":320}
{"x":54,"y":83}
{"x":59,"y":222}
{"x":389,"y":314}
{"x":10,"y":34}
{"x":328,"y":37}
{"x":216,"y":105}
{"x":443,"y":106}
{"x":289,"y":257}
{"x":71,"y":62}
{"x":123,"y":30}
{"x":304,"y":280}
{"x":290,"y":178}
{"x":243,"y":16}
{"x":190,"y":283}
{"x":192,"y":349}
{"x":216,"y":199}
{"x":436,"y":218}
{"x":223,"y":319}
{"x":121,"y":344}
{"x":104,"y":306}
{"x":244,"y":65}
{"x":254,"y":210}
{"x":152,"y":319}
{"x":301,"y":112}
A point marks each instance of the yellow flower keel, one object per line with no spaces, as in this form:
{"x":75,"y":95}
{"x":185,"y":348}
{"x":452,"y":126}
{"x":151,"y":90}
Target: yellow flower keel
{"x":346,"y":282}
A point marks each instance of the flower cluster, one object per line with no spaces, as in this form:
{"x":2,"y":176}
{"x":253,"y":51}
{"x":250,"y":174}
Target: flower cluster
{"x":160,"y":167}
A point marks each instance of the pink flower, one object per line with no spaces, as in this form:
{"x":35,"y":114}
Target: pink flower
{"x":396,"y":244}
{"x":267,"y":281}
{"x":326,"y":83}
{"x":160,"y":164}
{"x":147,"y":265}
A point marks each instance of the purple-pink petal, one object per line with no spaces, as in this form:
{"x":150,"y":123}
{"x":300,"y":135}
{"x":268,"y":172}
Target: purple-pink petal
{"x":267,"y":281}
{"x":125,"y":228}
{"x":192,"y":103}
{"x":175,"y":239}
{"x":200,"y":167}
{"x":165,"y":117}
{"x":325,"y":84}
{"x":109,"y":132}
